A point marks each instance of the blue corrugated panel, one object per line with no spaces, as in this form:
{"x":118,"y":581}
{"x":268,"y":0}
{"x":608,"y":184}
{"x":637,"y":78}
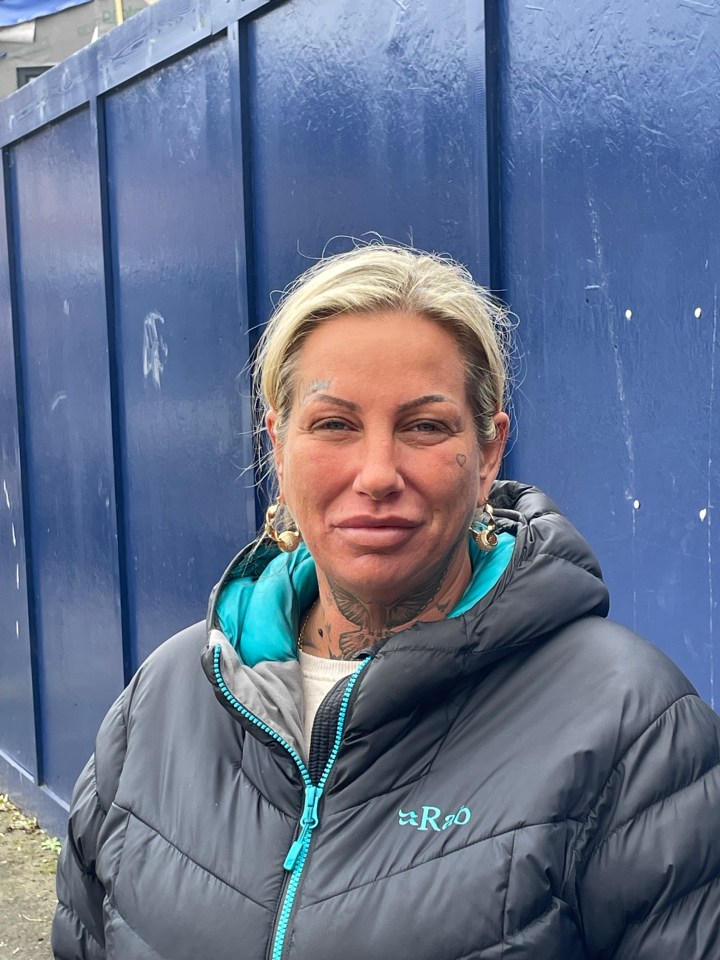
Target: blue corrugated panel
{"x":17,"y":728}
{"x":610,"y":129}
{"x":178,"y":257}
{"x":366,"y":117}
{"x":69,"y":464}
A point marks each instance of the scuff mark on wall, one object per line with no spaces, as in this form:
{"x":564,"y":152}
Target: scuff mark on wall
{"x":619,"y":384}
{"x":155,"y":349}
{"x":60,"y":396}
{"x":709,"y":514}
{"x":7,"y":495}
{"x":705,"y":9}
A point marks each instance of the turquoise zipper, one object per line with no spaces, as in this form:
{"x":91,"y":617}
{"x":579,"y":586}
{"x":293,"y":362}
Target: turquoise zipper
{"x":309,"y":820}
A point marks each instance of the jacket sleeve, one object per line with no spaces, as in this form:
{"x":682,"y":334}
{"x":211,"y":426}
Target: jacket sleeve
{"x":77,"y":932}
{"x":648,"y":884}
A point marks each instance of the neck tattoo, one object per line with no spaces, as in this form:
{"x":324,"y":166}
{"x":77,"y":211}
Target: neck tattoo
{"x":368,"y":622}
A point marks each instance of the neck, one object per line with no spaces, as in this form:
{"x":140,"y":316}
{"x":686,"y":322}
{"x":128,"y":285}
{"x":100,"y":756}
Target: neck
{"x":343,"y":621}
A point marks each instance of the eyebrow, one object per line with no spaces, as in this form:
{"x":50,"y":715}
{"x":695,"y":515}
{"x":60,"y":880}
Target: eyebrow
{"x":410,"y":405}
{"x":328,"y":398}
{"x":422,"y":401}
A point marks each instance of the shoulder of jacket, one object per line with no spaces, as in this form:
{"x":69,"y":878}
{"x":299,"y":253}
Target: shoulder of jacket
{"x":175,"y":652}
{"x":616,"y":653}
{"x":174,"y":666}
{"x":611,"y":685}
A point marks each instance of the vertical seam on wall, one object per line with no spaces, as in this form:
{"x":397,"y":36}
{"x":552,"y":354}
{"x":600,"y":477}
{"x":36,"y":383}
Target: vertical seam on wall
{"x":35,"y":665}
{"x":97,"y":107}
{"x":477,"y":225}
{"x":496,"y":236}
{"x":239,"y":35}
{"x":494,"y":143}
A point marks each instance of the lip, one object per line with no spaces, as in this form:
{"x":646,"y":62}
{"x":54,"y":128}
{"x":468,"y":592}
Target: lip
{"x":376,"y":533}
{"x":364,"y":521}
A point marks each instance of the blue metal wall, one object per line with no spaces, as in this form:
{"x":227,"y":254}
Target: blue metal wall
{"x":366,"y":118}
{"x":68,"y":463}
{"x":610,"y":161}
{"x":154,"y":213}
{"x":17,"y":727}
{"x":164,"y":182}
{"x":177,"y":248}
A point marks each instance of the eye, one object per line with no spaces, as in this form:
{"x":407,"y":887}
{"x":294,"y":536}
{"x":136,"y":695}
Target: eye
{"x":426,"y":431}
{"x":331,"y":424}
{"x":427,"y":426}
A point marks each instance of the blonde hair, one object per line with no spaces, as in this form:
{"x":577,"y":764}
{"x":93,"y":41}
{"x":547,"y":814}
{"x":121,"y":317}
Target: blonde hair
{"x":383,"y":277}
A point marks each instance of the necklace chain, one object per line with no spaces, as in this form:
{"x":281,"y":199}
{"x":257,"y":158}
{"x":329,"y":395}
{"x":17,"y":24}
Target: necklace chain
{"x":301,"y":635}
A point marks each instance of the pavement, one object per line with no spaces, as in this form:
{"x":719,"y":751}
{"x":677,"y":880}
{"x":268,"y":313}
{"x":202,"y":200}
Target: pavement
{"x":28,"y":857}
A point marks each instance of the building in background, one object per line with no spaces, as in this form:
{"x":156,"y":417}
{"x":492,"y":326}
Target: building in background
{"x":37,"y":34}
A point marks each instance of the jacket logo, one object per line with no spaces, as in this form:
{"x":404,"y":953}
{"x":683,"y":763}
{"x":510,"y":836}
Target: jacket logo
{"x":432,"y":818}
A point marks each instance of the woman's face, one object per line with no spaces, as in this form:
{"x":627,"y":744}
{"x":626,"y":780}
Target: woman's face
{"x":380,"y":463}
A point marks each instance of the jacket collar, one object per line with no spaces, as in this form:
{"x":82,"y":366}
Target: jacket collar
{"x":551,"y":579}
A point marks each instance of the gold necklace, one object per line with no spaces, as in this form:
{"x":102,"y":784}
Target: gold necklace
{"x":301,"y":635}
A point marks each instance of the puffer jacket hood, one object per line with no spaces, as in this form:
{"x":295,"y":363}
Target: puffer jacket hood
{"x":522,"y":781}
{"x":552,"y":579}
{"x":527,"y":597}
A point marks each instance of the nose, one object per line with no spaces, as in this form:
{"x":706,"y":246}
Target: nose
{"x":378,"y":475}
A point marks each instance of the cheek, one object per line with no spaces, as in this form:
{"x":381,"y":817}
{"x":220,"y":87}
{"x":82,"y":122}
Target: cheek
{"x":464,"y":463}
{"x":456,"y":480}
{"x":310,"y":478}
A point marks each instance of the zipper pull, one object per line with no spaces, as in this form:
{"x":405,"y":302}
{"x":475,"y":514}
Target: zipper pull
{"x":308,"y":822}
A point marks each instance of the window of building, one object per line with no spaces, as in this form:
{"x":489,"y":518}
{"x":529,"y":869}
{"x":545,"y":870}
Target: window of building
{"x":26,"y":74}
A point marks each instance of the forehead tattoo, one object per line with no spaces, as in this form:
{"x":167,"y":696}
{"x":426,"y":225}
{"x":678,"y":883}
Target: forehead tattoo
{"x":315,"y":386}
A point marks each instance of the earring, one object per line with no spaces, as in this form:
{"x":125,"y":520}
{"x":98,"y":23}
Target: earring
{"x":486,"y":539}
{"x":288,"y":540}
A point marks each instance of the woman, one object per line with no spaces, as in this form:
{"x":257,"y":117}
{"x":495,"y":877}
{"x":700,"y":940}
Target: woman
{"x":420,"y":738}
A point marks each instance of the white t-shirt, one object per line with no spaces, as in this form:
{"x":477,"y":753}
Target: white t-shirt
{"x":320,"y":674}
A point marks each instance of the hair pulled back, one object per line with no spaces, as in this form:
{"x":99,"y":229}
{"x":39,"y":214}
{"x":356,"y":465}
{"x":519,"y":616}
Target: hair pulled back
{"x":384,"y":277}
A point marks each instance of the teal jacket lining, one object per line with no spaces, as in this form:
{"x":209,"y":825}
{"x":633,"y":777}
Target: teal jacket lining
{"x":260,"y":616}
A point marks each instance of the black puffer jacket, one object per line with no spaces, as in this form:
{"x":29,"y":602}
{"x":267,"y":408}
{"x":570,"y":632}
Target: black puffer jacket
{"x":527,"y":781}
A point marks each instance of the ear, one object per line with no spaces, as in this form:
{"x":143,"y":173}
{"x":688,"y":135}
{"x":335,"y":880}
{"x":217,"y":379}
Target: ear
{"x":271,"y":426}
{"x":492,"y":454}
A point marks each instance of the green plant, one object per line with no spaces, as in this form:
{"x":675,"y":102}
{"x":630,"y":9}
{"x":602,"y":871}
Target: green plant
{"x":52,"y":844}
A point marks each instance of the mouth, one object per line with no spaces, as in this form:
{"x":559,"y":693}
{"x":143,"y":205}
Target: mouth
{"x":377,"y":523}
{"x":377,"y":532}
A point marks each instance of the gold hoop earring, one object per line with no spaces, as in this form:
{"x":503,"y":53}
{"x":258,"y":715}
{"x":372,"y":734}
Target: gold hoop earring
{"x":486,"y":539}
{"x":288,"y":540}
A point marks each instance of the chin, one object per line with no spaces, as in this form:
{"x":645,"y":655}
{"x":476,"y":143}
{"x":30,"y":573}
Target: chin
{"x":377,"y":576}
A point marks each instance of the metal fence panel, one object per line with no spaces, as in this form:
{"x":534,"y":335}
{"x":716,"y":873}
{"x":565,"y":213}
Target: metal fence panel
{"x":610,"y":129}
{"x":69,"y":456}
{"x":175,"y":210}
{"x":17,"y":726}
{"x":366,"y":118}
{"x":215,"y":149}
